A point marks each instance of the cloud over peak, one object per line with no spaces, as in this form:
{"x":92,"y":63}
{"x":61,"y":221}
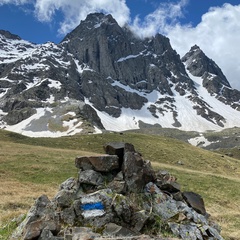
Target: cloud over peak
{"x":159,"y":21}
{"x":74,"y":11}
{"x":218,"y":35}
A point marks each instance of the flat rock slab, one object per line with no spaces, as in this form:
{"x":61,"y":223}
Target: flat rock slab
{"x":114,"y":230}
{"x":101,"y":163}
{"x":118,"y":148}
{"x":195,"y":201}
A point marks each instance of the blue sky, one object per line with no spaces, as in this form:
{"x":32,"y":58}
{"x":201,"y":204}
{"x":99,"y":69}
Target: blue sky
{"x":212,"y":24}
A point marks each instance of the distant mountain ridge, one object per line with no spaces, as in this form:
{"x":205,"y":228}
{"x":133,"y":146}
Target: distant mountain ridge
{"x":103,"y":77}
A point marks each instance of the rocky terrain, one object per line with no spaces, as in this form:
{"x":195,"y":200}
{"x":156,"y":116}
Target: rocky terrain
{"x":118,"y":195}
{"x":102,"y":77}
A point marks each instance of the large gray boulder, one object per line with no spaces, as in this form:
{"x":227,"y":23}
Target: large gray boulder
{"x":102,"y":163}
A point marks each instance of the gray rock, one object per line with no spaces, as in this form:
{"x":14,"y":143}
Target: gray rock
{"x":16,"y":116}
{"x":114,"y":230}
{"x":90,"y":177}
{"x":115,"y":148}
{"x":68,"y":216}
{"x":9,"y":35}
{"x":171,"y":187}
{"x":152,"y":189}
{"x":47,"y":235}
{"x":191,"y":214}
{"x":162,"y":204}
{"x":137,"y":173}
{"x":77,"y":209}
{"x":102,"y":163}
{"x":64,"y":198}
{"x":35,"y":228}
{"x":43,"y":208}
{"x":186,"y":232}
{"x":166,"y":209}
{"x":121,"y":206}
{"x":117,"y":186}
{"x":177,"y":196}
{"x":214,"y":233}
{"x":69,"y":184}
{"x":195,"y":201}
{"x":83,"y":233}
{"x":139,"y":219}
{"x":89,"y":113}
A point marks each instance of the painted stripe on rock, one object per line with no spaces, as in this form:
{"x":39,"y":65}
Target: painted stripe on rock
{"x":90,"y":199}
{"x":92,"y":206}
{"x":93,"y":213}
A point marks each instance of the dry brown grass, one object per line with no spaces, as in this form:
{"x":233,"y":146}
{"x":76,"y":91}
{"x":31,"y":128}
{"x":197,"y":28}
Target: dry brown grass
{"x":17,"y":198}
{"x":28,"y":171}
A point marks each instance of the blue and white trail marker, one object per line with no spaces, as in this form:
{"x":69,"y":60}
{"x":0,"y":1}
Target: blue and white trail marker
{"x":92,"y":206}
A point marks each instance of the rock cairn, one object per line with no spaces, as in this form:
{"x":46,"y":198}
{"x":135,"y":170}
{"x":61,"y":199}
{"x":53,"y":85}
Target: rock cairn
{"x":118,"y":196}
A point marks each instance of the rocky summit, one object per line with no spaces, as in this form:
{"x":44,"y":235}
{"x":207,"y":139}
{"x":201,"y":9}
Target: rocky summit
{"x":118,"y":196}
{"x":103,"y":77}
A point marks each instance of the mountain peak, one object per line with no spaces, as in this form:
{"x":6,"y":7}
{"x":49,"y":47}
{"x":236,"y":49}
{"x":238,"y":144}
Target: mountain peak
{"x":98,"y":18}
{"x":199,"y":64}
{"x":93,"y":22}
{"x":213,"y":79}
{"x":195,"y":48}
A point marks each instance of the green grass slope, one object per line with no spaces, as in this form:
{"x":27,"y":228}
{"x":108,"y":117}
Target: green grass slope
{"x":30,"y":167}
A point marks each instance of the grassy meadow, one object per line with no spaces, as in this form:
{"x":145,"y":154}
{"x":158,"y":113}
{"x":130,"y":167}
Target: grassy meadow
{"x":30,"y":167}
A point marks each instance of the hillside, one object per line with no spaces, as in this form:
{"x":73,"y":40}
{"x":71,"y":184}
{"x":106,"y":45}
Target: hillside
{"x":31,"y":167}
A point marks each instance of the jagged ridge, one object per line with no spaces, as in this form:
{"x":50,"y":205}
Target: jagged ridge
{"x":102,"y":76}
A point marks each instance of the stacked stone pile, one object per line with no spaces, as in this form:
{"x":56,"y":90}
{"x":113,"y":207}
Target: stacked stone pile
{"x":118,"y":196}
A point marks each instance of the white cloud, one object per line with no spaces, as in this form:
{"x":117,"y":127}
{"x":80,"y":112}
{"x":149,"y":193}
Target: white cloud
{"x":15,"y":2}
{"x":76,"y":10}
{"x":73,"y":11}
{"x":218,"y":35}
{"x":167,"y":14}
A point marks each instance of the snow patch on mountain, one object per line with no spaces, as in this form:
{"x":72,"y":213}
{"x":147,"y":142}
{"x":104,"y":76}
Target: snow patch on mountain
{"x":200,"y":141}
{"x":186,"y":115}
{"x":54,"y":84}
{"x":73,"y":126}
{"x":82,"y":67}
{"x":12,"y":50}
{"x":232,"y":116}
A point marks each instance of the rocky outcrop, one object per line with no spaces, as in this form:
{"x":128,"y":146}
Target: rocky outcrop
{"x":115,"y":55}
{"x":9,"y":35}
{"x":118,"y":196}
{"x":213,"y":78}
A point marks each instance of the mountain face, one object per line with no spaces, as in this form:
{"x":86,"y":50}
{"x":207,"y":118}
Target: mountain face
{"x":199,"y":65}
{"x":102,"y":76}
